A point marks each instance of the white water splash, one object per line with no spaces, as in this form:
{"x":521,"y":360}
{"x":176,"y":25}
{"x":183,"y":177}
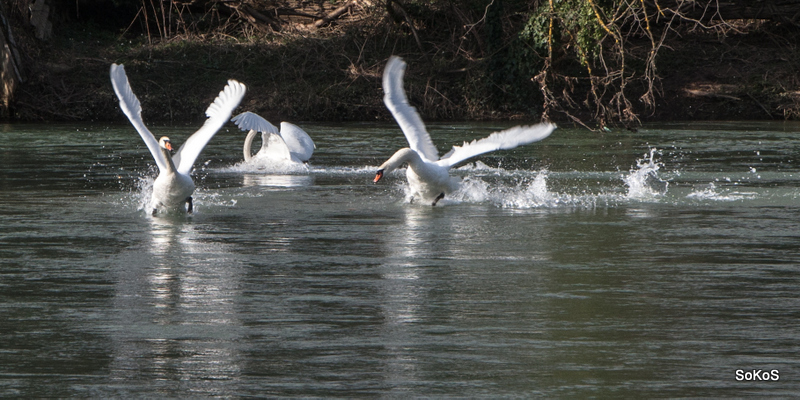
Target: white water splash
{"x":141,"y":194}
{"x":367,"y":170}
{"x":144,"y":193}
{"x":526,"y":193}
{"x":533,"y":195}
{"x":265,"y":165}
{"x":643,"y":181}
{"x":711,"y":192}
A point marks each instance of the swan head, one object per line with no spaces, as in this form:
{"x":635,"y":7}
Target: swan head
{"x":165,"y":143}
{"x":402,"y":156}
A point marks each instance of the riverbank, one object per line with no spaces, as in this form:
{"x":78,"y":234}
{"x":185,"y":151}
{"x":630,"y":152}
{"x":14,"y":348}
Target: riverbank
{"x":335,"y":75}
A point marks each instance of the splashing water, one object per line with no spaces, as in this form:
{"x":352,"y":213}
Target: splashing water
{"x":471,"y":190}
{"x":643,"y":181}
{"x":144,"y":193}
{"x":711,"y":192}
{"x":533,"y":195}
{"x":141,"y":197}
{"x":524,"y":194}
{"x":265,"y":165}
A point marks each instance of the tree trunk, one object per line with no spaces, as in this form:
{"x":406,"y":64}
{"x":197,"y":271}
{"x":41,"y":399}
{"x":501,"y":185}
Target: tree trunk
{"x":10,"y":75}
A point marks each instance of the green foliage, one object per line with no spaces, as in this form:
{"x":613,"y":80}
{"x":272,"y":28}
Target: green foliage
{"x":575,"y":26}
{"x":467,"y":58}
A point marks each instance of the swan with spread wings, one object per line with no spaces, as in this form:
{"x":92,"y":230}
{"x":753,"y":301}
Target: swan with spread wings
{"x":290,"y":144}
{"x":174,"y":186}
{"x":428,"y":175}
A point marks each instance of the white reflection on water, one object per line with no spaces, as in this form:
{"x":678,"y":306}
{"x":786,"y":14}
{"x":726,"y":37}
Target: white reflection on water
{"x":404,"y":292}
{"x":283,"y":181}
{"x":407,"y":245}
{"x":176,"y":313}
{"x":570,"y":289}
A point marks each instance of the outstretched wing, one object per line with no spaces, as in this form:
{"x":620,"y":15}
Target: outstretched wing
{"x":248,"y":121}
{"x":275,"y":148}
{"x":507,"y":139}
{"x":298,"y":141}
{"x":406,"y":116}
{"x":218,"y":113}
{"x":133,"y":110}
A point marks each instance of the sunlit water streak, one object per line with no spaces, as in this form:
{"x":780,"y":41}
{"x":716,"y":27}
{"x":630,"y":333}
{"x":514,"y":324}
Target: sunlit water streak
{"x":638,"y":265}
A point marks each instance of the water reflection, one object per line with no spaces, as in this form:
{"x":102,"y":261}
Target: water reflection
{"x":176,"y":315}
{"x":407,"y":246}
{"x":559,"y":284}
{"x":403,"y":294}
{"x":283,"y":181}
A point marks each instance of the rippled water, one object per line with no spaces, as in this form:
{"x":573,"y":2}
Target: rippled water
{"x":648,"y":264}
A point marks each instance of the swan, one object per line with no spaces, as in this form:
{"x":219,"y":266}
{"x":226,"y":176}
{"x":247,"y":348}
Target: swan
{"x":428,"y":175}
{"x":290,"y":144}
{"x":173,"y":187}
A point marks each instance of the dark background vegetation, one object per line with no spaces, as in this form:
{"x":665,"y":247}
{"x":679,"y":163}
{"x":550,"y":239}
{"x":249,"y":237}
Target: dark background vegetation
{"x":592,"y":62}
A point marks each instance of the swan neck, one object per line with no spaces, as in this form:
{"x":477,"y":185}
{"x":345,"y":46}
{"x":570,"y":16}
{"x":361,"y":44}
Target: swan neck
{"x":404,"y":155}
{"x":248,"y":143}
{"x":170,"y":165}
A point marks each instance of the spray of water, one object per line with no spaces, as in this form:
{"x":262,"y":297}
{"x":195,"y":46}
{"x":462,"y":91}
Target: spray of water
{"x":523,"y":189}
{"x":527,"y":189}
{"x":713,"y":193}
{"x":643,"y":181}
{"x":264,"y":165}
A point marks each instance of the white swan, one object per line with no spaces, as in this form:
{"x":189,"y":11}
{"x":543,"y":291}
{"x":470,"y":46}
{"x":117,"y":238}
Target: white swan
{"x":174,"y":186}
{"x":289,"y":144}
{"x":428,"y":175}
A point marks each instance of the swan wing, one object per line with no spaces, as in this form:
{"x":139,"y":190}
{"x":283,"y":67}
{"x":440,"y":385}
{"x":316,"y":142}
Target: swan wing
{"x":404,"y":113}
{"x":297,"y":140}
{"x":218,"y":113}
{"x":133,"y":110}
{"x":507,"y":139}
{"x":275,"y":148}
{"x":248,"y":121}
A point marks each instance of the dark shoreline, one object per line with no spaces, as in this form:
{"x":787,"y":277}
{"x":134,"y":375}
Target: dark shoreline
{"x":742,"y":76}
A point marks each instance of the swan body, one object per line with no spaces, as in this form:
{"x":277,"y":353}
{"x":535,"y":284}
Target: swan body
{"x":290,"y":144}
{"x":427,"y":180}
{"x":171,"y":187}
{"x":427,"y":174}
{"x":174,"y":185}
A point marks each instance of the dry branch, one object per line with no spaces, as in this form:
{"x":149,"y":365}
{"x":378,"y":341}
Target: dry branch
{"x":705,"y":11}
{"x":335,"y":14}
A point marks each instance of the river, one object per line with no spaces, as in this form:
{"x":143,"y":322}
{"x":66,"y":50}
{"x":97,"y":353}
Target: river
{"x":660,"y":263}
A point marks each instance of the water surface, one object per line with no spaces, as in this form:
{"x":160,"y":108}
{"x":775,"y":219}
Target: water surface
{"x":648,"y":264}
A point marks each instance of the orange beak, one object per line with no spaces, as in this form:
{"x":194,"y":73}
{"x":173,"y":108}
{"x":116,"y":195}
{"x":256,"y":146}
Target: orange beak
{"x":168,"y":145}
{"x":378,"y":176}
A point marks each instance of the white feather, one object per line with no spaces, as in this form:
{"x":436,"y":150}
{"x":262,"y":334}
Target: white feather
{"x":406,"y":115}
{"x":218,"y":114}
{"x":247,"y":121}
{"x":173,"y":184}
{"x":503,"y":140}
{"x":427,"y":175}
{"x":130,"y":105}
{"x":293,"y":140}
